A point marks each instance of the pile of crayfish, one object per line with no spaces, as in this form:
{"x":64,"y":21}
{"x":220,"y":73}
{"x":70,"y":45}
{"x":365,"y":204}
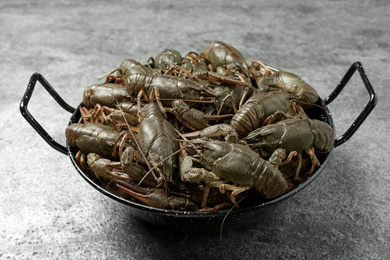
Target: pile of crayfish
{"x":199,"y":133}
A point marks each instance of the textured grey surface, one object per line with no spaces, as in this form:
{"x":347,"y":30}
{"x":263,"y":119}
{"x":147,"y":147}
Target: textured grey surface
{"x":49,"y":211}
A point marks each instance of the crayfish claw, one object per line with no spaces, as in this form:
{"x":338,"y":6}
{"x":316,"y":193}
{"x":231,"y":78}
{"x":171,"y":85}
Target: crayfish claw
{"x":156,"y":197}
{"x":132,"y":187}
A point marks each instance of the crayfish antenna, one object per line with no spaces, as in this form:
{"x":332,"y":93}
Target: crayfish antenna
{"x":224,"y":219}
{"x":105,"y":75}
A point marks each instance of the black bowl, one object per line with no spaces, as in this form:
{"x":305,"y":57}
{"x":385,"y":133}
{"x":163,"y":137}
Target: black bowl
{"x":204,"y":222}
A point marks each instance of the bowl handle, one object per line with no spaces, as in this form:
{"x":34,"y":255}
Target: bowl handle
{"x":367,"y":109}
{"x":26,"y":114}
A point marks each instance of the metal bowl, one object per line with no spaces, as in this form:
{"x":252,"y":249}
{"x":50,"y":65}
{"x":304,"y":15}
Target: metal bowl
{"x":204,"y":222}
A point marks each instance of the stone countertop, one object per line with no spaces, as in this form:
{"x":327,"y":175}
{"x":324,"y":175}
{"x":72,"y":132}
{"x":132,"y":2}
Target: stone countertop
{"x":49,"y":211}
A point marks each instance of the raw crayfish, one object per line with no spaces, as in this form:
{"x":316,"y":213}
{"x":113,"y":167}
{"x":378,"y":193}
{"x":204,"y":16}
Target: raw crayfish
{"x":164,"y":132}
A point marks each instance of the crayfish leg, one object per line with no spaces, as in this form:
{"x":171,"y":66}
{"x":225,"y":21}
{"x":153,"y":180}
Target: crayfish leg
{"x":155,"y":94}
{"x":217,"y":207}
{"x":298,"y":170}
{"x":267,"y":70}
{"x":80,"y":158}
{"x":290,"y":156}
{"x":120,"y":141}
{"x":243,"y":98}
{"x":85,"y":115}
{"x":206,"y":192}
{"x":224,"y":100}
{"x":206,"y":57}
{"x":235,"y":190}
{"x":314,"y":161}
{"x":151,"y":59}
{"x":191,"y":56}
{"x":175,"y":69}
{"x":272,"y":118}
{"x":99,"y":113}
{"x":114,"y":79}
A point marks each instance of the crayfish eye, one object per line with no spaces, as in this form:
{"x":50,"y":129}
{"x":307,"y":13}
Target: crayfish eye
{"x":202,"y":147}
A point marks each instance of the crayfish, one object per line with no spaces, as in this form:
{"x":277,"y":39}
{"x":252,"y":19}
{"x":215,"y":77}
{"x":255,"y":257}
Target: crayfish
{"x":203,"y":131}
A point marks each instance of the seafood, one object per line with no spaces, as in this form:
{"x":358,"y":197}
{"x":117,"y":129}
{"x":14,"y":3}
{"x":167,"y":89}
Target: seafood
{"x":258,"y":108}
{"x":114,"y":118}
{"x":294,"y":170}
{"x":187,"y":196}
{"x":132,"y":162}
{"x":240,"y":165}
{"x":302,"y":92}
{"x":293,"y":135}
{"x":129,"y":67}
{"x":127,"y":169}
{"x":193,"y":63}
{"x":166,"y":59}
{"x":221,"y":128}
{"x":193,"y":118}
{"x":216,"y":131}
{"x":225,"y":59}
{"x":105,"y":168}
{"x":256,"y":70}
{"x":97,"y":138}
{"x":157,"y":139}
{"x":168,"y":87}
{"x":157,"y":197}
{"x":109,"y":95}
{"x":126,"y":68}
{"x":215,"y":199}
{"x":231,"y":97}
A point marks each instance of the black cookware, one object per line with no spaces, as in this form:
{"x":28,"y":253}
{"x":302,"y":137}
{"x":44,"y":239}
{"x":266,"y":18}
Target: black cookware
{"x":190,"y":221}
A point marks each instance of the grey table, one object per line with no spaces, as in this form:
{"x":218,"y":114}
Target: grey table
{"x":49,"y":211}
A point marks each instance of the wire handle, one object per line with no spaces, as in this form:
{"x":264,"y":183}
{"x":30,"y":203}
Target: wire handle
{"x":26,"y":114}
{"x":367,"y":109}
